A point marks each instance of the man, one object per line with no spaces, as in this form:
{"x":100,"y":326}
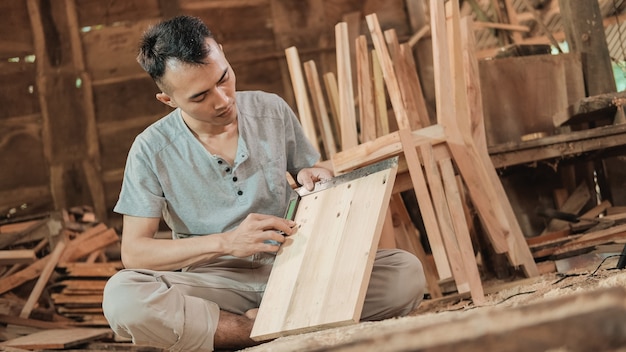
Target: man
{"x":215,"y":170}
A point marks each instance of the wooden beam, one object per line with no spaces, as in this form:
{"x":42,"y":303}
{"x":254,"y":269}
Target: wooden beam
{"x":456,"y":208}
{"x":347,"y":114}
{"x":393,"y":87}
{"x":42,"y":281}
{"x":380,"y":98}
{"x":445,"y":269}
{"x":17,"y":256}
{"x":302,"y":99}
{"x":330,"y":83}
{"x":319,"y":107}
{"x":367,"y":104}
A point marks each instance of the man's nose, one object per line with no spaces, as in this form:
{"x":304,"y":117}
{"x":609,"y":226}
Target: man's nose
{"x":221,"y":98}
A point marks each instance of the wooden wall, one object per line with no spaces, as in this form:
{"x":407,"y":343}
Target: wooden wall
{"x":73,"y":97}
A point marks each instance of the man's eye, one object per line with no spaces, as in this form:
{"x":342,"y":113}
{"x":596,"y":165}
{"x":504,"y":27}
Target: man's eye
{"x":199,"y":99}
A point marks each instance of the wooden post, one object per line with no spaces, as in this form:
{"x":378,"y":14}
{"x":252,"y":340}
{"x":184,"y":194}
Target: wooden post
{"x":347,"y":114}
{"x":582,"y":22}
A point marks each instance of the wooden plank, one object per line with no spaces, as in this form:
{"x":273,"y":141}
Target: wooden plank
{"x":383,"y":147}
{"x":441,"y":64}
{"x":92,"y":269}
{"x":415,"y":84}
{"x":408,"y":238}
{"x":408,"y":81}
{"x":587,"y":36}
{"x":111,"y":51}
{"x":473,"y":88}
{"x":559,"y":146}
{"x":319,"y":107}
{"x":302,"y":99}
{"x":88,"y":285}
{"x":72,"y":300}
{"x":29,"y":273}
{"x":17,"y":256}
{"x":34,"y":323}
{"x":347,"y":114}
{"x":380,"y":98}
{"x":94,"y":12}
{"x":542,"y":91}
{"x":330,"y":83}
{"x":447,"y":228}
{"x":593,"y":239}
{"x":42,"y":281}
{"x":367,"y":104}
{"x":433,"y":231}
{"x":455,"y":205}
{"x":573,"y":205}
{"x":86,"y":244}
{"x":58,"y":338}
{"x":393,"y":87}
{"x":320,"y":275}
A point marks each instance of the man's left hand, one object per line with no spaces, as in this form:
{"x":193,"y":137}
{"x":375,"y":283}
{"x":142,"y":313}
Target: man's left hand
{"x":308,"y":176}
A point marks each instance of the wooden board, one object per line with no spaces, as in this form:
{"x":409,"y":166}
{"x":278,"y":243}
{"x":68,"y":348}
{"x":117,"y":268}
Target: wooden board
{"x":543,"y":88}
{"x":57,"y":338}
{"x":321,"y":273}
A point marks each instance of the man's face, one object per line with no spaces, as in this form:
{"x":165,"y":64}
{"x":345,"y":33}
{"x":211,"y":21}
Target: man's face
{"x":205,"y":93}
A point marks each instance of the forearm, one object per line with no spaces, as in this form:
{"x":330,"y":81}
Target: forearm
{"x":168,"y":254}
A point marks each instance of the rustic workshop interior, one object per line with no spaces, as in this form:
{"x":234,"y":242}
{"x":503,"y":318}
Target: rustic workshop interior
{"x":504,"y":119}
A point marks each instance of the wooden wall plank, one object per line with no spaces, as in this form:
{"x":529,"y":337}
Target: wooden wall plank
{"x":111,"y":51}
{"x":112,"y":103}
{"x":16,"y":36}
{"x":18,"y":92}
{"x":98,"y":12}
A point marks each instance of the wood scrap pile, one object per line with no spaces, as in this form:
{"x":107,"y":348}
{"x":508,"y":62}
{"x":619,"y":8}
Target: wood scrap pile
{"x":53,"y":268}
{"x":571,"y":232}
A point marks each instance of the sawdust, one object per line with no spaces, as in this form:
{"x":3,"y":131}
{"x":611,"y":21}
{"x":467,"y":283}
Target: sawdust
{"x":548,"y":286}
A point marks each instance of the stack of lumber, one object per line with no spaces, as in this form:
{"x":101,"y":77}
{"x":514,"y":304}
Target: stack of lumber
{"x":577,"y":232}
{"x":53,"y":268}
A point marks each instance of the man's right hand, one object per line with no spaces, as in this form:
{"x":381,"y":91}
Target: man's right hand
{"x":256,"y":234}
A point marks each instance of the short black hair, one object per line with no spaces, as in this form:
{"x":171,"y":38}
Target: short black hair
{"x":181,"y":38}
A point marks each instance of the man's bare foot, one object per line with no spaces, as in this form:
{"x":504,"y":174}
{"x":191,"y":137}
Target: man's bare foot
{"x":251,"y":314}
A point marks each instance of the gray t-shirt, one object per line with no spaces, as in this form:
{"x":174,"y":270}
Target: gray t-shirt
{"x":169,"y":173}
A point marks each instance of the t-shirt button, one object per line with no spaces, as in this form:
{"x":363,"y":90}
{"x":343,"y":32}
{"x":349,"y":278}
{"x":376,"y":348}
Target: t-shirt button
{"x":227,"y":169}
{"x":239,"y":192}
{"x":219,"y":162}
{"x":235,"y":179}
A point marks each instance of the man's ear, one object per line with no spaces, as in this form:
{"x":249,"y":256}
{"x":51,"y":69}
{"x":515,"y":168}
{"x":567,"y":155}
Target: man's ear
{"x":166,"y":99}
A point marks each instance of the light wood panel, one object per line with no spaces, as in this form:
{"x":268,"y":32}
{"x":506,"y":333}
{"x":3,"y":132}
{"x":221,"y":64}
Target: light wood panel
{"x":321,"y":273}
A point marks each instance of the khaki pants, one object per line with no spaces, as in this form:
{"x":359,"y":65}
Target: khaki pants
{"x":180,"y":310}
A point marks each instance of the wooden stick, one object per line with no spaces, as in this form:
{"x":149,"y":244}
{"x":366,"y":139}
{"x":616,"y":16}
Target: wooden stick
{"x":302,"y":100}
{"x":382,"y":119}
{"x":43,"y":280}
{"x":472,"y":85}
{"x":347,"y":115}
{"x":415,"y":84}
{"x":405,"y":82}
{"x":426,"y":206}
{"x":412,"y":236}
{"x":319,"y":106}
{"x":448,"y":230}
{"x":330,"y":82}
{"x":389,"y":75}
{"x":367,"y":112}
{"x":455,"y":205}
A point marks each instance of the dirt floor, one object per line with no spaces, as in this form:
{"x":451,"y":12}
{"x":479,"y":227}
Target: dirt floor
{"x":581,"y":308}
